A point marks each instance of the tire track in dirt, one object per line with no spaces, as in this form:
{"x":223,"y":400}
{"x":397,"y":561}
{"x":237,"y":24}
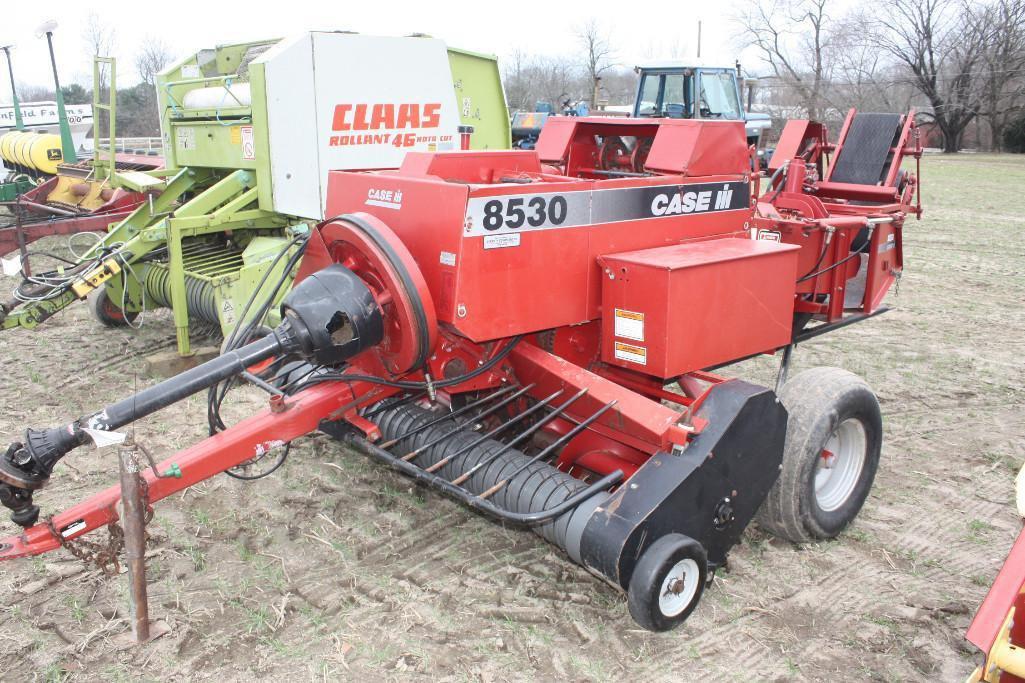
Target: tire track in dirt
{"x":855,"y":589}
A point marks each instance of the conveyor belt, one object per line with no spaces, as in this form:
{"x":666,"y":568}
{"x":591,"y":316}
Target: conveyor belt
{"x":865,"y":154}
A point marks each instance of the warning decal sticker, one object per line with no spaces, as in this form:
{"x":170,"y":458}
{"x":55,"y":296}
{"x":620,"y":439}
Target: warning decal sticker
{"x":631,"y":353}
{"x":629,"y":324}
{"x":248,"y":143}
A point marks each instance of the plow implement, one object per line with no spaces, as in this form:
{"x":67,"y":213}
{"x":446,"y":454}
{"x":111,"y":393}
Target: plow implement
{"x":534,"y":334}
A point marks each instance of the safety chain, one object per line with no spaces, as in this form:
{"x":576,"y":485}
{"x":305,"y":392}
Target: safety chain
{"x":104,"y":556}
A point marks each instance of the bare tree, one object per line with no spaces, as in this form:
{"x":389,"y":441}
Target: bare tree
{"x":1003,"y":60}
{"x":99,"y":39}
{"x":598,"y":55}
{"x":540,"y":78}
{"x":793,"y":38}
{"x":556,"y":79}
{"x":863,"y":76}
{"x":517,"y":83}
{"x":620,"y":86}
{"x":152,"y":58}
{"x":941,"y":45}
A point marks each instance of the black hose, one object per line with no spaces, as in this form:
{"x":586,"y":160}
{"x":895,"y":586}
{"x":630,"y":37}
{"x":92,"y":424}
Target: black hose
{"x":239,"y":336}
{"x":839,"y":263}
{"x":217,"y":393}
{"x":822,"y":255}
{"x":440,"y":384}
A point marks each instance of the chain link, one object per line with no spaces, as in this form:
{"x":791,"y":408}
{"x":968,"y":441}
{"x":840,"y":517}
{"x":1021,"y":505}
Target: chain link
{"x":104,"y":556}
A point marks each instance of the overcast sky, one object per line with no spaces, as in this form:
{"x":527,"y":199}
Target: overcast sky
{"x":651,"y":30}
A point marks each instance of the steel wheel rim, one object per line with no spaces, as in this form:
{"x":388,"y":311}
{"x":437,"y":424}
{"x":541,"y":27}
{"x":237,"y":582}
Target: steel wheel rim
{"x":672,"y":602}
{"x":840,"y":464}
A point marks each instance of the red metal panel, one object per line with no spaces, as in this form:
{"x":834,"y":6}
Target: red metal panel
{"x":685,"y":147}
{"x":635,"y":421}
{"x":700,"y":148}
{"x":426,"y":214}
{"x":791,"y":141}
{"x":863,"y":193}
{"x":553,"y":144}
{"x":496,"y":284}
{"x":672,"y":310}
{"x":802,"y":139}
{"x":886,"y":259}
{"x":1003,"y":594}
{"x":471,"y":167}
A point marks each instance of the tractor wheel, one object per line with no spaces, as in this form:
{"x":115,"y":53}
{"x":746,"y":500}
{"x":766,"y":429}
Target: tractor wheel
{"x":834,"y":436}
{"x":667,"y":582}
{"x":107,"y":312}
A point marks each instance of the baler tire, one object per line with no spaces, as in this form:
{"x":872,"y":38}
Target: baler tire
{"x":107,"y":312}
{"x":819,"y":402}
{"x":670,"y":554}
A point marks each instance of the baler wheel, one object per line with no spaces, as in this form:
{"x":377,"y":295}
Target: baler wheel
{"x":667,"y":582}
{"x":834,"y":438}
{"x":108,"y":312}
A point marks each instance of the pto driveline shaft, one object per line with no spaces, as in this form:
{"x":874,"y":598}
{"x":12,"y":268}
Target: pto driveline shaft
{"x":181,"y":386}
{"x":44,"y":447}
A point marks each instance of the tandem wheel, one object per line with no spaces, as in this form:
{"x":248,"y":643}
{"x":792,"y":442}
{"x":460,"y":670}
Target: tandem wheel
{"x":108,"y":312}
{"x":833,"y":442}
{"x":667,"y":582}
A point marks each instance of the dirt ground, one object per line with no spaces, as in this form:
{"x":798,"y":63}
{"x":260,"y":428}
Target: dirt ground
{"x":337,"y":569}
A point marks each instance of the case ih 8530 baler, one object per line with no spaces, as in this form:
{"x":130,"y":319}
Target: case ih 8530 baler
{"x":503,"y":326}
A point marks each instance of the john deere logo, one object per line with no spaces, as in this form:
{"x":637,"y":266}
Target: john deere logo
{"x":53,"y":154}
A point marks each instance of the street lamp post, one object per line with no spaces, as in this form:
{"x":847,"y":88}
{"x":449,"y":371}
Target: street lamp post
{"x":18,"y":123}
{"x":67,"y":146}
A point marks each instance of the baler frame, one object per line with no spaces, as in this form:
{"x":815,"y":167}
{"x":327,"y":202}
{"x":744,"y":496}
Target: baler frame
{"x":398,"y":356}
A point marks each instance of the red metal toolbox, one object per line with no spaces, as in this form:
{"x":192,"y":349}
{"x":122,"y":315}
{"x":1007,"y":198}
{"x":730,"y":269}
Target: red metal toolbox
{"x":675,"y":309}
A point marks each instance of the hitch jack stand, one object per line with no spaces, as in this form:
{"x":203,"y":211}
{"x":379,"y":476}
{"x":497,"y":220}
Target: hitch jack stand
{"x":135,"y":538}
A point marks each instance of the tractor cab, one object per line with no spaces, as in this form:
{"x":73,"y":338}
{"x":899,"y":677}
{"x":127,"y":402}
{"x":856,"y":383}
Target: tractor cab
{"x":677,"y":90}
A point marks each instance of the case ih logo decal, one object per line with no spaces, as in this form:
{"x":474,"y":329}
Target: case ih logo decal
{"x":386,"y":199}
{"x":520,"y":213}
{"x":679,"y":202}
{"x":405,"y":124}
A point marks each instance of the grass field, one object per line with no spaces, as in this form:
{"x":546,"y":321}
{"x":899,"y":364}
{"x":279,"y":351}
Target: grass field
{"x":337,"y":569}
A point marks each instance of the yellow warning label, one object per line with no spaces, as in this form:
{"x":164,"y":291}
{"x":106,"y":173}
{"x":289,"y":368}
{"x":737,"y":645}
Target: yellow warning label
{"x":631,"y":353}
{"x":236,"y":135}
{"x":629,"y":324}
